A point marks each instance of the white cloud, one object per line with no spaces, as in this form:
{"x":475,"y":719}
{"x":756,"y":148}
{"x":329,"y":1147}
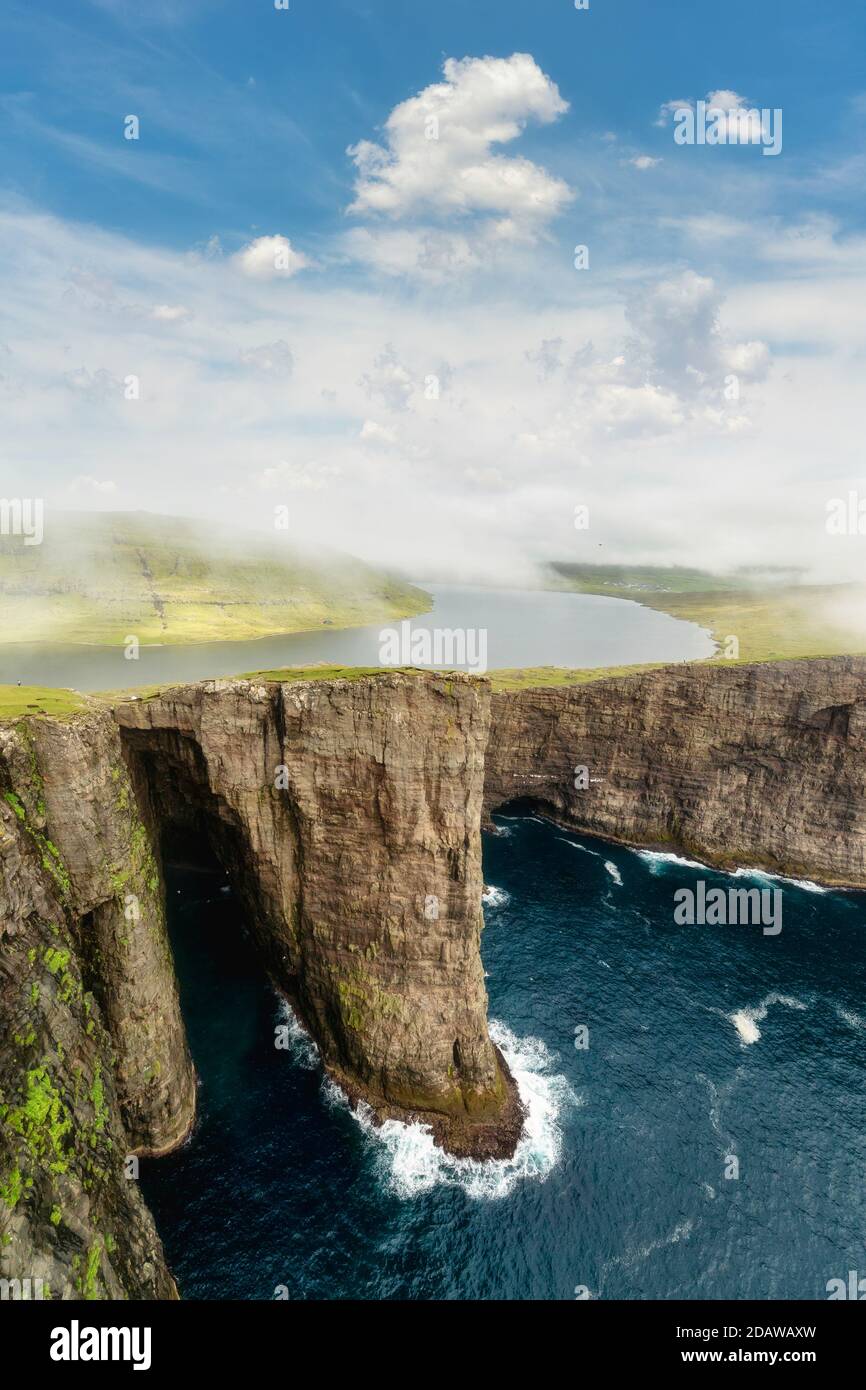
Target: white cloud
{"x":269,"y":258}
{"x":741,"y":122}
{"x":275,"y":359}
{"x":439,"y":155}
{"x":644,"y":161}
{"x":680,"y":342}
{"x":555,"y":388}
{"x":667,"y":109}
{"x":170,"y":313}
{"x":390,"y":380}
{"x":84,"y":485}
{"x":296,"y":477}
{"x":429,"y":254}
{"x":637,"y":410}
{"x":374,"y":433}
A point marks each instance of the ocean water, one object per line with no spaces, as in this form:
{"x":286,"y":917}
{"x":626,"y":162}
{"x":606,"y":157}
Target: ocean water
{"x":704,"y":1043}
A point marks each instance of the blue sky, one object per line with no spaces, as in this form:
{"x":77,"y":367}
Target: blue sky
{"x":221,"y":155}
{"x":426,"y":372}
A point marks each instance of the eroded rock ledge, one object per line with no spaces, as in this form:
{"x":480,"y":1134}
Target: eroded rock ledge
{"x":348,"y":814}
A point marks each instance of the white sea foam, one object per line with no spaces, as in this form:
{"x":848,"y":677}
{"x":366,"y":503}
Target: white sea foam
{"x":494,"y":897}
{"x":613,"y":871}
{"x":640,"y":1253}
{"x":746,"y":1020}
{"x":583,"y":849}
{"x":764,"y":876}
{"x":657,"y":859}
{"x":853,"y":1020}
{"x":301,"y":1049}
{"x":410,"y":1163}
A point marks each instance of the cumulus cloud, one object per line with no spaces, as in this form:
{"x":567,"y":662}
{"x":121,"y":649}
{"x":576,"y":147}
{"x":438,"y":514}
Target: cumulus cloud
{"x":389,"y":380}
{"x":644,"y":161}
{"x":269,"y":258}
{"x":439,"y":155}
{"x":679,"y":341}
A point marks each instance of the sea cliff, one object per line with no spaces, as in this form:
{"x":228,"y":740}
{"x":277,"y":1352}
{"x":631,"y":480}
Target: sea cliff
{"x":347,"y":814}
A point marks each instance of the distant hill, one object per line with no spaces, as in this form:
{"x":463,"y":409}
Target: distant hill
{"x":100,"y":577}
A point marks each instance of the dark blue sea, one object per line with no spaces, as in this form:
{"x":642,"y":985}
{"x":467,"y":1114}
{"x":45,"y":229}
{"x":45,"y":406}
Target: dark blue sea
{"x":705,"y":1045}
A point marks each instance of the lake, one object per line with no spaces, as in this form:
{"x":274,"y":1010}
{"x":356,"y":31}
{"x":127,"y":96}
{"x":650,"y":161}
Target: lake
{"x":523,"y":628}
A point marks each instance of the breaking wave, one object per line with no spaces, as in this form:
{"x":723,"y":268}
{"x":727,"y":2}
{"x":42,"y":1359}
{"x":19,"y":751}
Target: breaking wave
{"x":583,"y":848}
{"x":301,"y":1048}
{"x":762,"y":874}
{"x":409,"y":1163}
{"x":494,"y":897}
{"x":608,"y":863}
{"x":746,"y":1020}
{"x":658,"y":861}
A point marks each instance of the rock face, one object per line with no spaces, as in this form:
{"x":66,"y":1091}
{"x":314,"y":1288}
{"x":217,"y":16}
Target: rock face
{"x":347,"y":814}
{"x":94,"y":1065}
{"x":759,"y":765}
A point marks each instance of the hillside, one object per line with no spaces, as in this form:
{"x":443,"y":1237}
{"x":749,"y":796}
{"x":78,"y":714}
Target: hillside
{"x":773,"y":616}
{"x":100,"y":577}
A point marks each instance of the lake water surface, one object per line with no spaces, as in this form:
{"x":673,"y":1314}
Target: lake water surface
{"x":523,"y":628}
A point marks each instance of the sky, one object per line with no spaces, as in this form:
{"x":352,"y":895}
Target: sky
{"x":439,"y":281}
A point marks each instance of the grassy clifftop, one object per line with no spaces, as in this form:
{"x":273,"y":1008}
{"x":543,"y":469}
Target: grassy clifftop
{"x":98,"y":578}
{"x":772,"y":615}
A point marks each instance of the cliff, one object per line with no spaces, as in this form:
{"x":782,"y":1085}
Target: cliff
{"x":94,"y":1066}
{"x":347,"y":813}
{"x":759,"y":765}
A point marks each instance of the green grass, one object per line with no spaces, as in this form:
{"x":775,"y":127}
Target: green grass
{"x":99,"y":578}
{"x":535,"y":677}
{"x":316,"y":673}
{"x":18,"y":700}
{"x":772,"y":618}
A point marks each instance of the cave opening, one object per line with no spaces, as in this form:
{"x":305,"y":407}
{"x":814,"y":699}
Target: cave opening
{"x":198,"y":832}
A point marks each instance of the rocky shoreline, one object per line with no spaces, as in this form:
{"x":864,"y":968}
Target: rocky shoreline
{"x":348,"y":814}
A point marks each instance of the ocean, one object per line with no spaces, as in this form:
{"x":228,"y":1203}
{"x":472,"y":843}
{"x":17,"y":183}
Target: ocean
{"x":696,"y":1101}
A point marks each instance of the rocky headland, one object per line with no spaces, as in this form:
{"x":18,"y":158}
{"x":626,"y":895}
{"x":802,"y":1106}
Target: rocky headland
{"x":347,"y":814}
